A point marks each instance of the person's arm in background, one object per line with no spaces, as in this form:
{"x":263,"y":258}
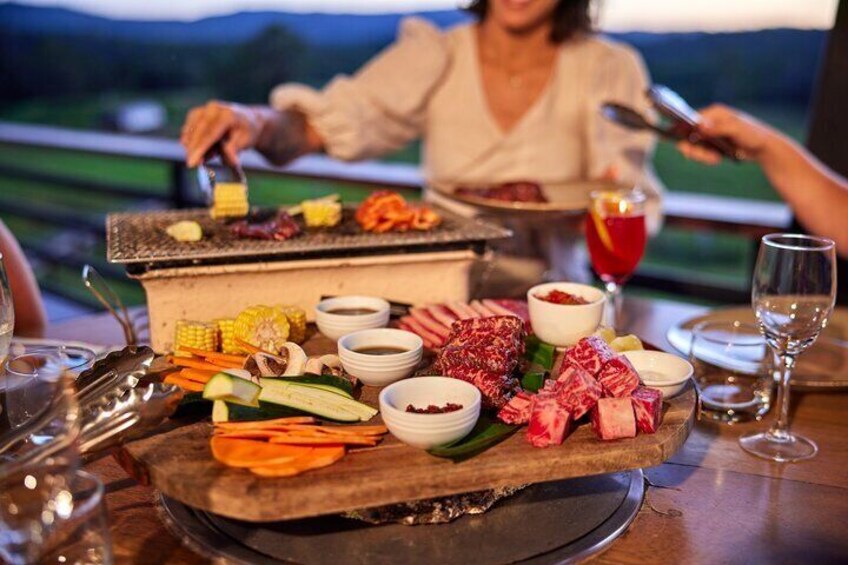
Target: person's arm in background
{"x":30,"y":318}
{"x":817,"y":195}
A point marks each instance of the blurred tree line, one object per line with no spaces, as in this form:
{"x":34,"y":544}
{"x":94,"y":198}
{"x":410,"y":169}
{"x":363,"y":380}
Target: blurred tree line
{"x":765,"y":67}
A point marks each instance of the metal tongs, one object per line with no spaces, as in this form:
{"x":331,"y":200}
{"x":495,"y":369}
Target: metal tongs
{"x":680,"y":121}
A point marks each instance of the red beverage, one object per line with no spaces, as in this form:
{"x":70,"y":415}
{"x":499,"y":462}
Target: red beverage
{"x":616,"y":254}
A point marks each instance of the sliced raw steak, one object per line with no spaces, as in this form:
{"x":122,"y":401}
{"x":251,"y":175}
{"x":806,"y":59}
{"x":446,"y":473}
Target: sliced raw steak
{"x":647,"y":407}
{"x":578,"y":390}
{"x":549,"y":421}
{"x":618,"y":377}
{"x":613,"y":418}
{"x":590,"y":353}
{"x":517,"y":410}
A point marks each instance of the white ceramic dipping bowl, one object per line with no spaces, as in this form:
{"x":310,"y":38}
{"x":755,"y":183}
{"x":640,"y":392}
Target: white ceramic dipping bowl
{"x":380,"y":370}
{"x":426,"y":431}
{"x":563,"y":325}
{"x":335,"y":326}
{"x":664,"y":371}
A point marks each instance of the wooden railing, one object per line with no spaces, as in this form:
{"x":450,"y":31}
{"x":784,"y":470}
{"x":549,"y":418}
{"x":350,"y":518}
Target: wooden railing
{"x":747,"y":218}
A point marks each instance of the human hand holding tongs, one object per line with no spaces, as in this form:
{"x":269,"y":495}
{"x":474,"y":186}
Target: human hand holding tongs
{"x":680,"y":121}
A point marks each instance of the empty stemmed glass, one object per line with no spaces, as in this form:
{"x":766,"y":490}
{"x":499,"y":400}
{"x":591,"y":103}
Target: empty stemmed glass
{"x":7,"y":313}
{"x":794,"y":291}
{"x":615,"y":236}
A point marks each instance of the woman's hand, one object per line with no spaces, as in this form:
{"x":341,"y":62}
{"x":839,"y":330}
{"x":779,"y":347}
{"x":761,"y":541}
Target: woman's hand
{"x":752,"y":137}
{"x":232,"y":127}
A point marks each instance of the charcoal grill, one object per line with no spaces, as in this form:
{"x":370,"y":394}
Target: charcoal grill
{"x":220,"y":275}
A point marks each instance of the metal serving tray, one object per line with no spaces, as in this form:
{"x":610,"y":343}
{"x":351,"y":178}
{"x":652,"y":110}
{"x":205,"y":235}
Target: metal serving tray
{"x":139,"y":239}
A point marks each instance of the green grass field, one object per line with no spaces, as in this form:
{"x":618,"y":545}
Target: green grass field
{"x":722,"y":258}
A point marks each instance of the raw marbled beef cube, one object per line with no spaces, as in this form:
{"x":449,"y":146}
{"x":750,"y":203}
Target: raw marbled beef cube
{"x":590,"y":354}
{"x":517,"y":410}
{"x":613,"y":418}
{"x":647,"y":408}
{"x":549,"y":421}
{"x":578,"y":390}
{"x":618,"y":377}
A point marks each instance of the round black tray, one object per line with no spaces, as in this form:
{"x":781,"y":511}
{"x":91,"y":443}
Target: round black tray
{"x":561,"y":521}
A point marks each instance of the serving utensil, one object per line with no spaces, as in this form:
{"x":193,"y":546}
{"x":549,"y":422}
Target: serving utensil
{"x":104,"y":294}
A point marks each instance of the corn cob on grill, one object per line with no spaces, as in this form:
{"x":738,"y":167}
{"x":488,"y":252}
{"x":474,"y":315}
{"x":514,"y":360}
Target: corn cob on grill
{"x":321,"y":213}
{"x":265,"y":327}
{"x":200,"y":335}
{"x":229,"y":200}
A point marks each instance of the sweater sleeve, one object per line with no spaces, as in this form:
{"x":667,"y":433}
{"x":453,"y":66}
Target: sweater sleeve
{"x":621,"y":76}
{"x":381,"y":107}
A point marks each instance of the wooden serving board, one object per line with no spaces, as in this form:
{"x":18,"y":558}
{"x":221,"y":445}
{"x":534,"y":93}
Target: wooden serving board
{"x":178,"y":461}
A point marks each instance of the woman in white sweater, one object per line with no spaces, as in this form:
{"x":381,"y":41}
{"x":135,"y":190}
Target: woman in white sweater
{"x":513,"y":96}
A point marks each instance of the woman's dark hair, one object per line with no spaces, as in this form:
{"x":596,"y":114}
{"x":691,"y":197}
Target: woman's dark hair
{"x":570,"y":17}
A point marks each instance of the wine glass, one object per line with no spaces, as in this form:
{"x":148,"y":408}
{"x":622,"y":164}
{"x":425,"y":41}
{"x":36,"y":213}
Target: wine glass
{"x":7,"y":313}
{"x":615,"y":236}
{"x":794,"y":291}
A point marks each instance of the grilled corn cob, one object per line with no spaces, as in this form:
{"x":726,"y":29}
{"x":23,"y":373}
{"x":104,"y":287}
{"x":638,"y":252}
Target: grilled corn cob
{"x":265,"y":327}
{"x":200,"y":335}
{"x":321,"y":213}
{"x":297,"y":323}
{"x":229,"y":200}
{"x":226,"y":336}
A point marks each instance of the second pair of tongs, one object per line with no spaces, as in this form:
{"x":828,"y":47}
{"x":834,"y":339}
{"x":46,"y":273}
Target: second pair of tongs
{"x":97,"y":285}
{"x":680,"y":121}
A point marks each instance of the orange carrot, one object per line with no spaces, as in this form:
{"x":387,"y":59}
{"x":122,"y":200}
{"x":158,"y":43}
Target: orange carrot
{"x":249,"y":453}
{"x":184,"y":384}
{"x":196,"y":375}
{"x":213,"y":354}
{"x":292,"y":439}
{"x":320,"y":457}
{"x":224,"y":364}
{"x":254,"y":424}
{"x":193,"y":364}
{"x":248,"y":347}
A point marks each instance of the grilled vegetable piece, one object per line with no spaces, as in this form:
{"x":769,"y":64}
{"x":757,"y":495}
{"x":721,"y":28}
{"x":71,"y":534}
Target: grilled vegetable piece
{"x":314,"y":400}
{"x":297,"y":323}
{"x":229,"y":200}
{"x":227,"y":412}
{"x":199,"y":335}
{"x":185,"y":231}
{"x":322,"y":212}
{"x":265,"y":327}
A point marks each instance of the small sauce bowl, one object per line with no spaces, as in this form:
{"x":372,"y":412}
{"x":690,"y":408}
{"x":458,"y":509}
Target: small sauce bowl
{"x":563,"y":325}
{"x":380,"y":370}
{"x":335,"y":325}
{"x":426,"y":431}
{"x":664,"y":371}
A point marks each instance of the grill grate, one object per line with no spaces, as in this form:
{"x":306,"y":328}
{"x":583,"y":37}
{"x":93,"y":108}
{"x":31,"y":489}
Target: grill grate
{"x":139,"y":238}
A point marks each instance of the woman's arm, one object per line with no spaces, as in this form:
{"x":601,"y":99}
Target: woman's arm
{"x":281,"y":136}
{"x":817,"y":195}
{"x":30,"y":318}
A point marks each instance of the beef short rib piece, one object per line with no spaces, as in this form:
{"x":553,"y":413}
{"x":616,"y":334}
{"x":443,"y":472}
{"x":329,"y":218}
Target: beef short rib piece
{"x":590,"y":354}
{"x":517,"y":410}
{"x":549,"y":422}
{"x":577,"y":390}
{"x":618,"y":377}
{"x":647,"y":408}
{"x":613,"y":418}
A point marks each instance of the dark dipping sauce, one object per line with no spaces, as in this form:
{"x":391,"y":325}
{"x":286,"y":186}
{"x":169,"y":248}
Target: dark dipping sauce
{"x":432,"y":409}
{"x":351,"y":311}
{"x":381,"y":350}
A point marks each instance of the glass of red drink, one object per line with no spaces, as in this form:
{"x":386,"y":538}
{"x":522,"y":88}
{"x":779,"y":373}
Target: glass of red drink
{"x":615,"y":235}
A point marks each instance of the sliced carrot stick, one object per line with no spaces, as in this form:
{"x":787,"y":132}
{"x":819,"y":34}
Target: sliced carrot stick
{"x":264,"y":423}
{"x":213,"y":354}
{"x":248,"y":347}
{"x":193,"y":364}
{"x":196,"y":375}
{"x":328,"y":440}
{"x":249,"y":453}
{"x":184,"y":384}
{"x":224,"y":364}
{"x":320,"y":457}
{"x":352,"y":430}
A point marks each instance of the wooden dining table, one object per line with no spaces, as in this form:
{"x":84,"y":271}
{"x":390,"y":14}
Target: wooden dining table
{"x":711,"y":502}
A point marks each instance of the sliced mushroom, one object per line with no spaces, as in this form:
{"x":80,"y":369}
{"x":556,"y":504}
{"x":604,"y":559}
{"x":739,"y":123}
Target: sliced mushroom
{"x":296,"y":359}
{"x":324,"y":365}
{"x":271,"y":365}
{"x":243,"y":374}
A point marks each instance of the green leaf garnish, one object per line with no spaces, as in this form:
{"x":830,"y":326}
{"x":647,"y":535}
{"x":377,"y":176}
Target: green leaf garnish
{"x":532,"y":381}
{"x":538,"y":352}
{"x":486,"y":433}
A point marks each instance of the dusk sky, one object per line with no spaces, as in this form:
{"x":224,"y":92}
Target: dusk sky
{"x":616,"y":15}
